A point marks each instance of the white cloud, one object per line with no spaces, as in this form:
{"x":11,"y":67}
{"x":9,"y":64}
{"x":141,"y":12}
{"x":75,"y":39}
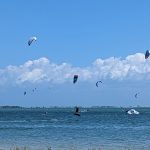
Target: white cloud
{"x":133,"y":67}
{"x":35,"y":75}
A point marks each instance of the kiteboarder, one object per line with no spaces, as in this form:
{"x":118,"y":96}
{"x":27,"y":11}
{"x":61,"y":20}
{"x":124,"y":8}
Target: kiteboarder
{"x":77,"y":111}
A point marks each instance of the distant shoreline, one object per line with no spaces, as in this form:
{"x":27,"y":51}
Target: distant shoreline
{"x":61,"y":107}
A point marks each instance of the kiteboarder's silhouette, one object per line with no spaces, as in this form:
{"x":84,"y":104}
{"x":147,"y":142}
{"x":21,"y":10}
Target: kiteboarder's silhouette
{"x":77,"y":111}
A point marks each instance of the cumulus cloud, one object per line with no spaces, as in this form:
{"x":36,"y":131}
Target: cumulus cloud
{"x":133,"y":67}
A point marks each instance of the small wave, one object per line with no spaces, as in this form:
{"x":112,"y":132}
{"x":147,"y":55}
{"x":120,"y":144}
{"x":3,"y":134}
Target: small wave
{"x":38,"y":120}
{"x":84,"y":110}
{"x":54,"y":120}
{"x":11,"y":121}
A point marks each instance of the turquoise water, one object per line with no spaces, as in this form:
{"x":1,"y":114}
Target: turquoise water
{"x":105,"y":128}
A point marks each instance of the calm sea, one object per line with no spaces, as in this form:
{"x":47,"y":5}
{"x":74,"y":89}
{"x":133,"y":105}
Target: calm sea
{"x":58,"y":128}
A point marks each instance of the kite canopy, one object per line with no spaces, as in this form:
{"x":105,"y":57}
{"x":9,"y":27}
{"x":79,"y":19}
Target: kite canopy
{"x":75,"y":78}
{"x":147,"y":53}
{"x":31,"y":40}
{"x":25,"y":93}
{"x":132,"y":111}
{"x":97,"y":83}
{"x":136,"y":95}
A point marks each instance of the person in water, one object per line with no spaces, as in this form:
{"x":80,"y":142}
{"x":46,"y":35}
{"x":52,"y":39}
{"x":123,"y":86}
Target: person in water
{"x":77,"y":111}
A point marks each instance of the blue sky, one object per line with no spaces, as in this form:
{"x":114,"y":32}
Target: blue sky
{"x":79,"y":34}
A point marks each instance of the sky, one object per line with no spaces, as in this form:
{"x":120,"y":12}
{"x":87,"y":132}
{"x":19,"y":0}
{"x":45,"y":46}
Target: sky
{"x":98,"y":40}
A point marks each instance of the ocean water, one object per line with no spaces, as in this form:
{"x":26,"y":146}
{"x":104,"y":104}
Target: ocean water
{"x":95,"y":129}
